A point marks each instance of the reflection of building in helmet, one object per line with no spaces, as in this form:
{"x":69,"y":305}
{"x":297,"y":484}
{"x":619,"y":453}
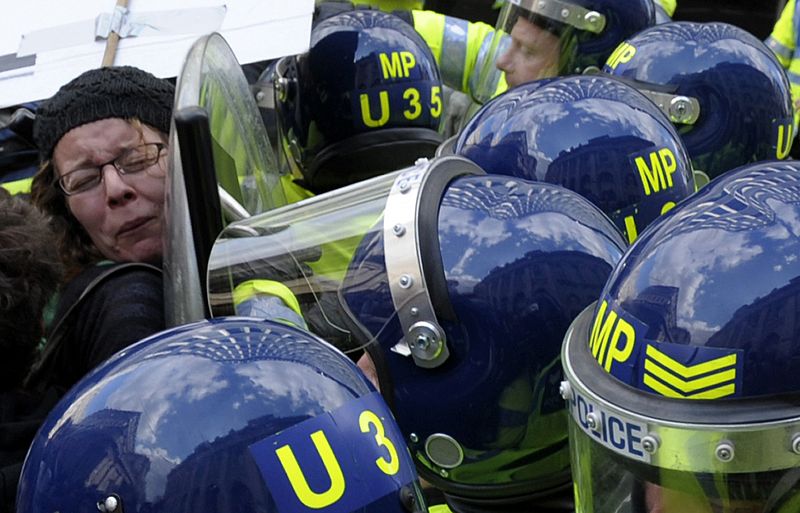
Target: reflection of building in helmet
{"x":681,"y":388}
{"x":591,"y":134}
{"x":461,"y":285}
{"x":518,"y":259}
{"x":364,"y":100}
{"x":745,"y":111}
{"x":227,"y":415}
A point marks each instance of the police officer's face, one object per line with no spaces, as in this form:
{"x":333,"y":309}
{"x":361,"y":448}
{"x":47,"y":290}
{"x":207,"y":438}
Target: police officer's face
{"x":123,"y":214}
{"x":533,"y":54}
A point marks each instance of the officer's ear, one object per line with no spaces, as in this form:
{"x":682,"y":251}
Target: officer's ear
{"x":367,"y":366}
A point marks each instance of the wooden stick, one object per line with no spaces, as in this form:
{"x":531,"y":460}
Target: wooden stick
{"x":112,"y":41}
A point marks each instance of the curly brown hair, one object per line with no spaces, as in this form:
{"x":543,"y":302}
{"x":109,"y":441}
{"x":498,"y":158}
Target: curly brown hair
{"x":30,"y":273}
{"x":75,"y":247}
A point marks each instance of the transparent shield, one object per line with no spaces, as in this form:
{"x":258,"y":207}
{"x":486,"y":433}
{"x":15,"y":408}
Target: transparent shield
{"x":245,"y":162}
{"x":491,"y":81}
{"x":606,"y":482}
{"x":306,"y":247}
{"x":246,"y":168}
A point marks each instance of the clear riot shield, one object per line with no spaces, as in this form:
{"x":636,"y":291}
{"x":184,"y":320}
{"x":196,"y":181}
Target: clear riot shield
{"x":244,"y":163}
{"x":305,"y":252}
{"x":307,"y":248}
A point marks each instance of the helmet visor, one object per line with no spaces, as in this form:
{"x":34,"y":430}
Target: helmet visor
{"x":527,"y":44}
{"x":306,"y":248}
{"x":650,"y":454}
{"x":608,"y":482}
{"x":364,"y":234}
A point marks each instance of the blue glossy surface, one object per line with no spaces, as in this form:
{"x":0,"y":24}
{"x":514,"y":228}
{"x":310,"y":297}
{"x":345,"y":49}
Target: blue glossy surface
{"x":521,"y":260}
{"x":167,"y":424}
{"x":584,"y":133}
{"x":351,"y":54}
{"x":720,"y":275}
{"x":742,"y":89}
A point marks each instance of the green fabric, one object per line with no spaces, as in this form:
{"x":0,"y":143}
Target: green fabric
{"x":783,"y":41}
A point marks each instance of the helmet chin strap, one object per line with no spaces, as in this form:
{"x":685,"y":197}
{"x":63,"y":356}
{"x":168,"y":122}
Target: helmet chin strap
{"x":405,"y":229}
{"x":785,"y":496}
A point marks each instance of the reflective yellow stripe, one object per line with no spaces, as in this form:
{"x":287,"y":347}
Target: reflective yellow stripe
{"x":784,"y":53}
{"x":782,"y":40}
{"x":688,"y":386}
{"x":439,"y":508}
{"x":433,"y":27}
{"x":21,"y":186}
{"x":718,"y":379}
{"x":453,"y":61}
{"x":293,"y":191}
{"x":714,"y":393}
{"x":250,"y":288}
{"x":694,"y":370}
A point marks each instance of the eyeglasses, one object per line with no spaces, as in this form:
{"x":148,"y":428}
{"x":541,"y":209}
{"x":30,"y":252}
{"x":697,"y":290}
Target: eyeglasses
{"x":131,"y":161}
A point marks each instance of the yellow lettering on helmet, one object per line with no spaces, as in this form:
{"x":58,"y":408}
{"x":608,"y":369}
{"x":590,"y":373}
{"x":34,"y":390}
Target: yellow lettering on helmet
{"x":366,"y":115}
{"x":668,"y":163}
{"x":785,"y":137}
{"x":623,"y":53}
{"x":667,"y":207}
{"x":390,"y":66}
{"x":299,"y":482}
{"x":630,"y":229}
{"x":409,"y":61}
{"x":367,"y":420}
{"x":606,"y":336}
{"x":397,"y":64}
{"x":658,"y":175}
{"x":436,"y":101}
{"x":415,"y":108}
{"x":601,"y":331}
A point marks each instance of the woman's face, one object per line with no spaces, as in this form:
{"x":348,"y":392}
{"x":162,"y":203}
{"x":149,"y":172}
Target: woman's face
{"x":123,"y":214}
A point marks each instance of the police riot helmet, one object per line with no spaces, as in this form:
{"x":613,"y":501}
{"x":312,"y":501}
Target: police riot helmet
{"x":542,"y":38}
{"x":460,"y":285}
{"x":682,"y":380}
{"x":589,"y":133}
{"x":234,"y":414}
{"x":364,"y":100}
{"x":728,"y":93}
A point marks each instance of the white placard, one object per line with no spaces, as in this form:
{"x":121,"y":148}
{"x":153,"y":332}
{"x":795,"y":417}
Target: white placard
{"x":44,"y":44}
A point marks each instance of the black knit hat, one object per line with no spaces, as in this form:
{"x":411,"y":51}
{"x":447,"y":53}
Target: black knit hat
{"x":114,"y":92}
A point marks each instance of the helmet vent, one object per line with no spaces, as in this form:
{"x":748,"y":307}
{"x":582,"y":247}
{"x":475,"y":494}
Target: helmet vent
{"x":444,"y":451}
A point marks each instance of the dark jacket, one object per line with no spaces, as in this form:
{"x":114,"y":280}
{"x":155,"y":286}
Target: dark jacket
{"x":103,"y":310}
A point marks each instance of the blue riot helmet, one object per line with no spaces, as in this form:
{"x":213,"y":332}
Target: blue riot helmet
{"x":231,"y":414}
{"x":729,"y":95}
{"x":545,"y":38}
{"x":364,"y":100}
{"x":460,"y":285}
{"x":592,"y":134}
{"x":682,"y":380}
{"x":515,"y":260}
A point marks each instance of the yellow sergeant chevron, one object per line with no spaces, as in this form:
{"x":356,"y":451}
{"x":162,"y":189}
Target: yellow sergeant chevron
{"x":707,"y":380}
